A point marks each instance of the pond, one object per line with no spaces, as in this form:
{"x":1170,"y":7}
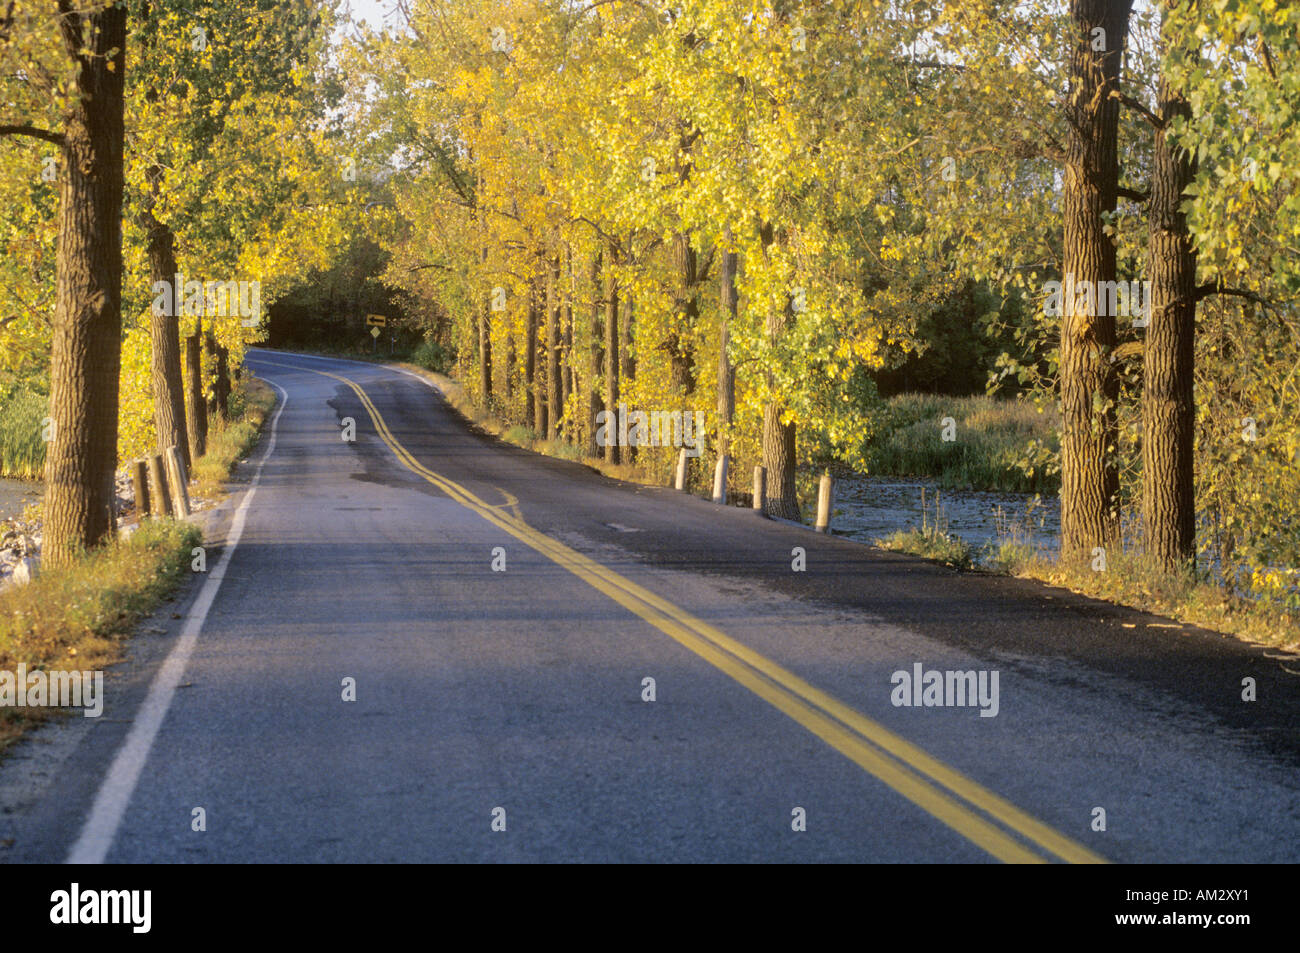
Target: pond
{"x":16,"y":494}
{"x":871,"y":508}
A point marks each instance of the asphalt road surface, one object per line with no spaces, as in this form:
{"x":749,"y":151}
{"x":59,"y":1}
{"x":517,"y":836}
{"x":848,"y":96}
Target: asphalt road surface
{"x":515,"y":697}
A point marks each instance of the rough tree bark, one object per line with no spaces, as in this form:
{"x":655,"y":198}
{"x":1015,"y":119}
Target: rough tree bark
{"x":553,"y":407}
{"x":1089,"y":385}
{"x":595,"y":356}
{"x":726,"y":372}
{"x":613,"y":351}
{"x":778,"y":438}
{"x":87,"y":328}
{"x":1168,"y":409}
{"x":534,"y":407}
{"x":165,"y":341}
{"x":626,"y":363}
{"x":196,"y":406}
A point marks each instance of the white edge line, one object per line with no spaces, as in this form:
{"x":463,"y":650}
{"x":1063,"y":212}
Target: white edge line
{"x":119,"y":783}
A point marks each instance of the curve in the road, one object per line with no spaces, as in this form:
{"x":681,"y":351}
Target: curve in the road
{"x":945,"y":793}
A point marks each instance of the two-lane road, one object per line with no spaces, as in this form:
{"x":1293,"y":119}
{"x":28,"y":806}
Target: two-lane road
{"x":516,"y":696}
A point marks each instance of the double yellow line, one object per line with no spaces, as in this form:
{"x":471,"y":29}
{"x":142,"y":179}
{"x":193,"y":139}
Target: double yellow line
{"x":946,"y":794}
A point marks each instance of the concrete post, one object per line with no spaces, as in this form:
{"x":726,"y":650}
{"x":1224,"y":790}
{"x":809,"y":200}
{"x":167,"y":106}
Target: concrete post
{"x":681,"y":469}
{"x":760,"y":491}
{"x":180,"y":482}
{"x":720,"y":481}
{"x":824,"y":495}
{"x":140,"y":480}
{"x":160,"y":498}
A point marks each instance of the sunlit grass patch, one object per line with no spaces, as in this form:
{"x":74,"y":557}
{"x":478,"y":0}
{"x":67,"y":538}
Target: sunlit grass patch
{"x":77,"y":617}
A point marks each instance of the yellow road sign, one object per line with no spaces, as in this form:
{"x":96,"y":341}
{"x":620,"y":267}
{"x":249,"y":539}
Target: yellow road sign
{"x":376,"y":321}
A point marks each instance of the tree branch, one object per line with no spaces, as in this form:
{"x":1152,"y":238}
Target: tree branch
{"x":1133,"y":194}
{"x":1155,"y":121}
{"x":1206,"y":290}
{"x":34,"y":132}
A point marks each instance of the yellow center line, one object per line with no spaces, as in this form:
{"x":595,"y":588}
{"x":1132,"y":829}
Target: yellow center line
{"x":890,"y":758}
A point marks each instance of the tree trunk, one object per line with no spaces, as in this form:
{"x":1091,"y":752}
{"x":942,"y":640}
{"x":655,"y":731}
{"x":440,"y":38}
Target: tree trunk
{"x":1168,"y":410}
{"x":485,"y":354}
{"x":626,"y":366}
{"x":726,"y":373}
{"x":614,"y":453}
{"x":595,"y":356}
{"x":165,"y":343}
{"x":779,"y":443}
{"x":198,"y":416}
{"x":553,"y":410}
{"x":778,"y":438}
{"x":687,"y":307}
{"x":221,"y":389}
{"x":534,"y":407}
{"x":570,"y":432}
{"x":1089,"y":385}
{"x":86,"y":353}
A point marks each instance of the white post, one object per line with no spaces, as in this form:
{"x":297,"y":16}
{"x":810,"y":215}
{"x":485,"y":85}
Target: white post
{"x":824,"y":504}
{"x":179,"y":482}
{"x":720,"y":481}
{"x":681,"y":469}
{"x":760,"y":491}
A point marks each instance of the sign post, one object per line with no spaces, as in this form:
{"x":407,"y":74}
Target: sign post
{"x":375,"y":322}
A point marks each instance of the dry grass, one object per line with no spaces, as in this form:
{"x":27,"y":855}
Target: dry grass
{"x":229,"y":441}
{"x":1130,"y":580}
{"x":78,"y":617}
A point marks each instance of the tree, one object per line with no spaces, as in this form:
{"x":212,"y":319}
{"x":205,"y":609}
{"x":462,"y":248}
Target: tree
{"x":87,"y":325}
{"x":1168,"y":410}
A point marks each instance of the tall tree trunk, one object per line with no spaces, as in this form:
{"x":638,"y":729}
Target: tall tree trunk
{"x":1089,"y":385}
{"x":726,"y":372}
{"x":485,"y":353}
{"x":614,"y":453}
{"x":221,"y":388}
{"x":681,"y":356}
{"x":778,"y":438}
{"x":1168,"y":409}
{"x":86,"y":353}
{"x":196,"y":405}
{"x":595,"y":356}
{"x":626,"y":365}
{"x":165,"y":341}
{"x":534,"y":406}
{"x":553,"y":410}
{"x":510,"y":367}
{"x":570,"y":432}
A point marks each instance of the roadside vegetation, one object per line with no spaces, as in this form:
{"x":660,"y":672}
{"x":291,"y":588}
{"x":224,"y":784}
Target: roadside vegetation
{"x":79,"y":616}
{"x":22,"y":449}
{"x":997,"y":443}
{"x":1265,"y":611}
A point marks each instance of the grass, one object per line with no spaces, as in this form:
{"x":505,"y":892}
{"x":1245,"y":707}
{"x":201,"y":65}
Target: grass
{"x":229,"y":441}
{"x":22,"y":449}
{"x":998,"y":444}
{"x":1130,"y":580}
{"x":931,"y":540}
{"x":78,"y":617}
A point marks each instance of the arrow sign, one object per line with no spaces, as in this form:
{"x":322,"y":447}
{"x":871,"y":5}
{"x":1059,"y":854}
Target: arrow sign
{"x":376,"y":321}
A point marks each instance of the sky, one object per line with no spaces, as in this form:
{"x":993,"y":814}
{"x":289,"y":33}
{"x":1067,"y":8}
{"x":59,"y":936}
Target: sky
{"x":373,"y":12}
